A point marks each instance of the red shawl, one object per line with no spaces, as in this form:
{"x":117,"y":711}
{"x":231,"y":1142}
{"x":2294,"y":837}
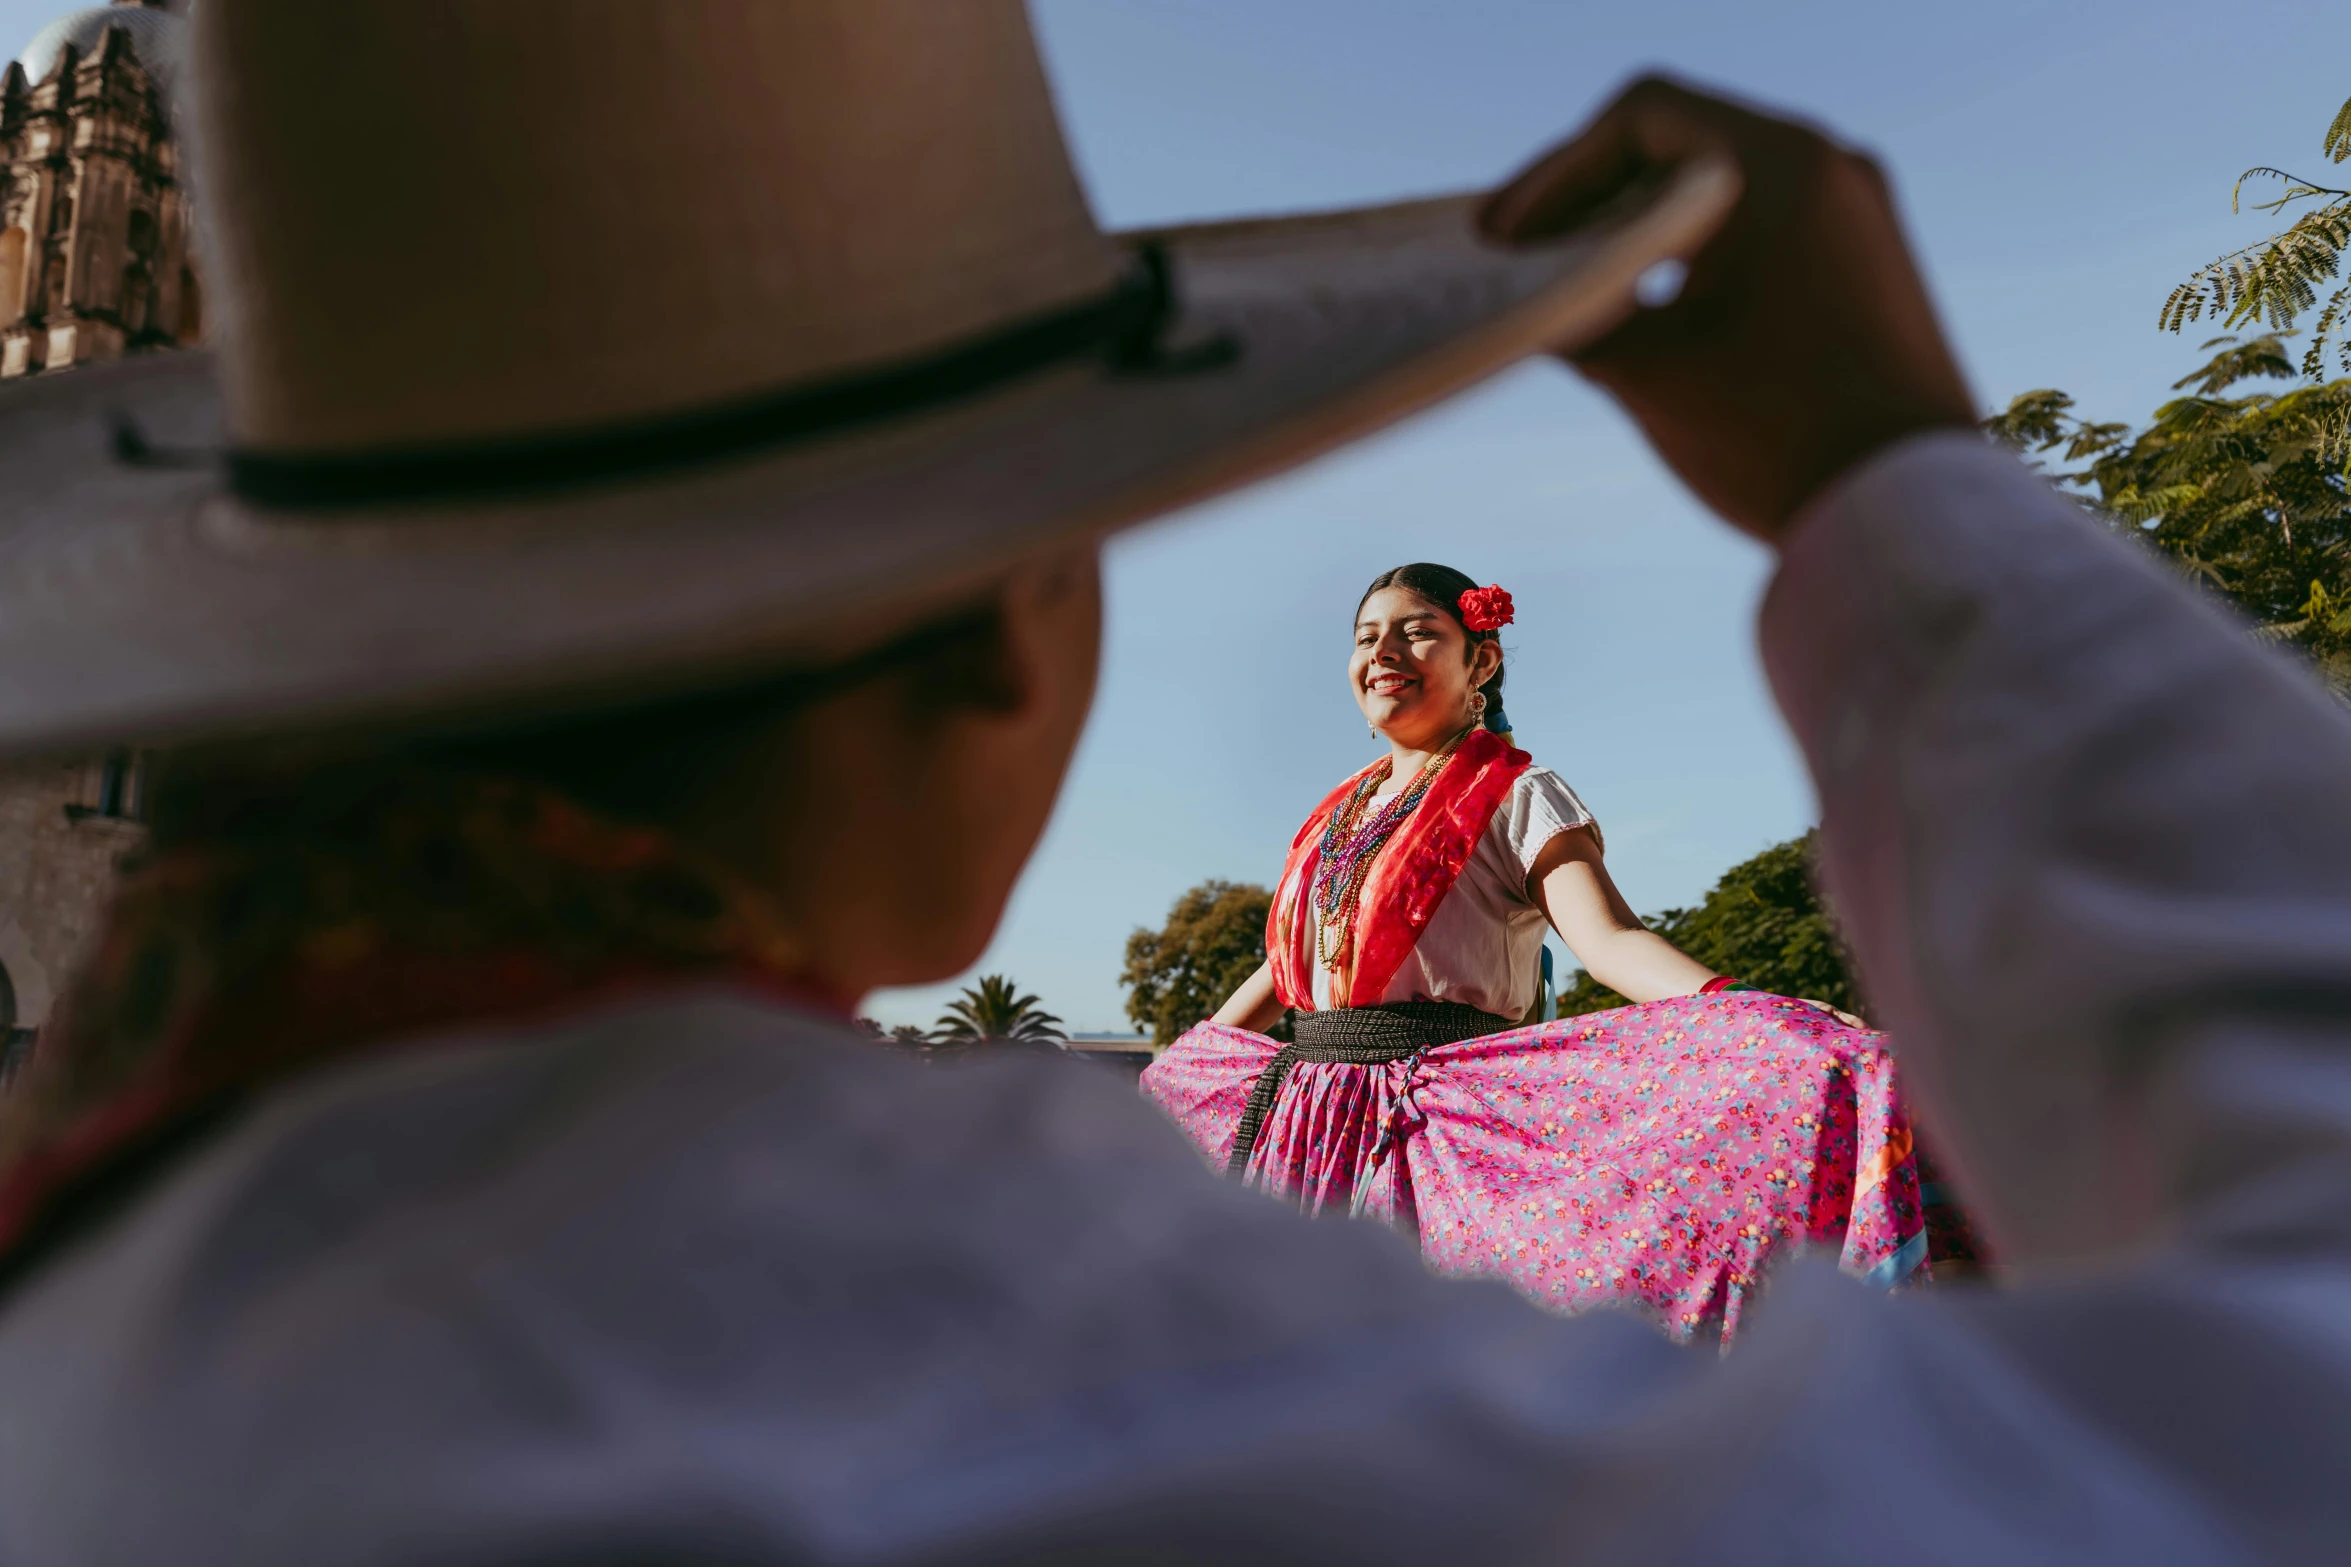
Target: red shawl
{"x":1414,"y":871}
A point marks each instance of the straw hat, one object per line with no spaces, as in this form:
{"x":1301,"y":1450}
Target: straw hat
{"x":571,"y":345}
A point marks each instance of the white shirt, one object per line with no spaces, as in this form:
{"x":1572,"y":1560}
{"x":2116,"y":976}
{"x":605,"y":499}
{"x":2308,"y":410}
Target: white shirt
{"x":705,"y":1280}
{"x":1483,"y":943}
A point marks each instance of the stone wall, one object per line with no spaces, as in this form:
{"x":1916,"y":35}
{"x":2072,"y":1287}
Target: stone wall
{"x":64,"y":827}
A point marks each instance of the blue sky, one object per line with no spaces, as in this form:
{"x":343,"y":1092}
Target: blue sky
{"x":2061,"y":166}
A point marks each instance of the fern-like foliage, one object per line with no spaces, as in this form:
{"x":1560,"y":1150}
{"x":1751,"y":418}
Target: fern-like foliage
{"x":2246,"y":494}
{"x":2276,"y":281}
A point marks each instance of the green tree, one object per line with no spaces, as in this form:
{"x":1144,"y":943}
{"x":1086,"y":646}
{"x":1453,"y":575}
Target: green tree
{"x":906,"y":1037}
{"x":1763,"y":923}
{"x":1178,"y":975}
{"x":994,"y":1009}
{"x":2272,"y":281}
{"x":2245,"y":493}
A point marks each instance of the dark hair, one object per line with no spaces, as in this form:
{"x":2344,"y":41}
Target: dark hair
{"x":1443,"y":587}
{"x":637,"y":760}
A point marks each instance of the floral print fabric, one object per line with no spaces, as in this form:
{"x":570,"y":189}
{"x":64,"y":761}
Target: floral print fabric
{"x":1656,"y":1156}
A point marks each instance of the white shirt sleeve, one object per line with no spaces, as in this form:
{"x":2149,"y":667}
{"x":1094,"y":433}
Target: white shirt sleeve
{"x":2092,"y":845}
{"x":1541,"y":806}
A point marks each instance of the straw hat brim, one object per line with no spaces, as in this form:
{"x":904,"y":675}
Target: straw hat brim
{"x":146,"y":603}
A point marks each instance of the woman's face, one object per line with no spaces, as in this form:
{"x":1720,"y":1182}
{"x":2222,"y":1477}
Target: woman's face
{"x":1414,"y":668}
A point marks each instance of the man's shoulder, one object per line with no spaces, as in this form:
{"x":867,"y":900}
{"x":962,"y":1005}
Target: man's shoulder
{"x":667,"y":1112}
{"x":701,"y":1226}
{"x":715,"y":1265}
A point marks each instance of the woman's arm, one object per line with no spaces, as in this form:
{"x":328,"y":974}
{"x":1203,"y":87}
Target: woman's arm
{"x":1569,"y":882}
{"x":1254,"y":1006}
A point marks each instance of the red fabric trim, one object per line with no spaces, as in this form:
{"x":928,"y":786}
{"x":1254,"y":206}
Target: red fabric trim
{"x":1409,"y":879}
{"x":1289,"y":925}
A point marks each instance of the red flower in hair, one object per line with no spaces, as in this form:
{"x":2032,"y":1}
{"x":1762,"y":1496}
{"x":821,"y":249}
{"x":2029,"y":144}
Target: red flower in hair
{"x":1486,"y":609}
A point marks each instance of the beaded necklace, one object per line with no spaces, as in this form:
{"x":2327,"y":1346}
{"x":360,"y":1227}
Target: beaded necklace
{"x":1350,"y":844}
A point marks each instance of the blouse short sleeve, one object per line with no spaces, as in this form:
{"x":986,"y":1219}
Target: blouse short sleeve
{"x":1541,"y":807}
{"x":1483,"y":945}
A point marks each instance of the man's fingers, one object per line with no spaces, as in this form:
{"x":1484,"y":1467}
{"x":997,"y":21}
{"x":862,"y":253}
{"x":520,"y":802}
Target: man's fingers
{"x":1564,"y":183}
{"x":1653,"y":124}
{"x":1572,"y":178}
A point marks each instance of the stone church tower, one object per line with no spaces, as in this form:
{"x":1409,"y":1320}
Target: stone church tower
{"x":94,"y":254}
{"x":94,"y":263}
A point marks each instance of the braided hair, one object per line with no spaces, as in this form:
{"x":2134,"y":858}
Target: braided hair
{"x":1443,"y":587}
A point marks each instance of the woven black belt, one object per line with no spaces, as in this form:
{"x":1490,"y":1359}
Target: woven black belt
{"x":1359,"y":1036}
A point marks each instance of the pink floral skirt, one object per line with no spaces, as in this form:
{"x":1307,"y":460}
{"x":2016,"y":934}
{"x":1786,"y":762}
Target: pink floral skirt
{"x":1655,"y":1156}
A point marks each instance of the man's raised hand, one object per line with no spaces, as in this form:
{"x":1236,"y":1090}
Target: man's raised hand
{"x":1802,"y":340}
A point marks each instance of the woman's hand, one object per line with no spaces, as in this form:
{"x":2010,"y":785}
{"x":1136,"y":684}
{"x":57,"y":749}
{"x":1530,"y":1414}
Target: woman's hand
{"x":1839,"y":1013}
{"x":1802,"y":340}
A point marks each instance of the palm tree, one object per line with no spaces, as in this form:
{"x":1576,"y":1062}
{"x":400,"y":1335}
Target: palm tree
{"x":905,"y":1035}
{"x":992,"y":1010}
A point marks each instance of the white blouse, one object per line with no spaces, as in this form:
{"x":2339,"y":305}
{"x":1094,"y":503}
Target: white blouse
{"x":1482,"y":946}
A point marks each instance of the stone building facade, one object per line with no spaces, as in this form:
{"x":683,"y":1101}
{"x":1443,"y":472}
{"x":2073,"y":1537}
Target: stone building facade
{"x":95,"y":262}
{"x":94,"y":241}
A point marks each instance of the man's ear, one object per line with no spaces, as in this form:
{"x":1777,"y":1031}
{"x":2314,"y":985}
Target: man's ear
{"x":1011,"y":651}
{"x":973,"y":669}
{"x":1051,"y":624}
{"x":1060,"y":579}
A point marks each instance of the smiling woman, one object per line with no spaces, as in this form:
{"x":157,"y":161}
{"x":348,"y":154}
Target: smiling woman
{"x":1624,"y":1156}
{"x":1423,"y":612}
